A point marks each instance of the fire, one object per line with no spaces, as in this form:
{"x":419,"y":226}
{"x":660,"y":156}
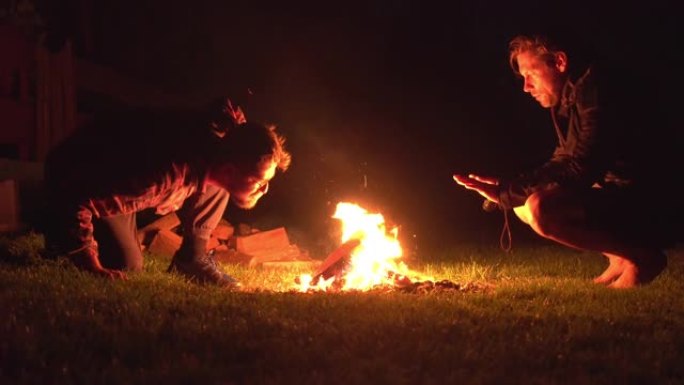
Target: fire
{"x":373,"y":254}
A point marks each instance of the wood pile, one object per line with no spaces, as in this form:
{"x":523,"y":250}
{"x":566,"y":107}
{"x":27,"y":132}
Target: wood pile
{"x":246,"y":246}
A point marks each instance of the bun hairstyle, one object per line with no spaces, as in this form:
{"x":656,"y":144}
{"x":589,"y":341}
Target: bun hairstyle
{"x":224,"y":116}
{"x":247,"y":145}
{"x":251,"y":145}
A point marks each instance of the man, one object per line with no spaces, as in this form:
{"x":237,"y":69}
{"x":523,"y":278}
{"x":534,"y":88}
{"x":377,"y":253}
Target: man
{"x":595,"y":191}
{"x":109,"y":170}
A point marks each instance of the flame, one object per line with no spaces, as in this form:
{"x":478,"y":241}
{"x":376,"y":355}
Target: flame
{"x":376,"y":259}
{"x":322,"y":284}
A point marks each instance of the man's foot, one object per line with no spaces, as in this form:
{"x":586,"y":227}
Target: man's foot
{"x":205,"y":271}
{"x":616,"y":266}
{"x":641,"y":272}
{"x":626,"y":273}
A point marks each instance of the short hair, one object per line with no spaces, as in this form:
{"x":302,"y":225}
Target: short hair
{"x":540,"y":46}
{"x":250,"y":145}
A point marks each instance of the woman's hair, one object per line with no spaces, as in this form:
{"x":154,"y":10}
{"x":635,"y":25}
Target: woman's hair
{"x":250,"y":145}
{"x":245,"y":144}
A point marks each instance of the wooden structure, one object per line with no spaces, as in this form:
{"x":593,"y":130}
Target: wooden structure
{"x":17,"y":137}
{"x":40,"y":87}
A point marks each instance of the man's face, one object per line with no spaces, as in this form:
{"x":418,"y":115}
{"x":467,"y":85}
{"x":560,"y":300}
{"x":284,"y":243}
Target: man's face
{"x":245,"y":188}
{"x":541,"y":80}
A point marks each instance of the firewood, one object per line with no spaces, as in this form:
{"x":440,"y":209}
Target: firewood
{"x":289,"y":265}
{"x":337,"y":260}
{"x":223,"y":231}
{"x":225,"y":255}
{"x":213,"y":243}
{"x":283,"y":254}
{"x":167,"y":222}
{"x":263,"y":240}
{"x":165,"y":243}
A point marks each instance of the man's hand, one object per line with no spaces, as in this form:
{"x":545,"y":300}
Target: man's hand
{"x":88,"y":260}
{"x":486,"y":186}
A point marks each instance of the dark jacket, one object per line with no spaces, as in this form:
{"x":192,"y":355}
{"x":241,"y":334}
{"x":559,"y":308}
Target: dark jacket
{"x":598,"y":142}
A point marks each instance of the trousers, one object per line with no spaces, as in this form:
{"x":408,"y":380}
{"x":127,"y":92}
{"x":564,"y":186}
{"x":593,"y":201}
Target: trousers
{"x":119,"y":246}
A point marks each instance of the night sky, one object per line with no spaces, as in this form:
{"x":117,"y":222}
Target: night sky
{"x":381,"y":101}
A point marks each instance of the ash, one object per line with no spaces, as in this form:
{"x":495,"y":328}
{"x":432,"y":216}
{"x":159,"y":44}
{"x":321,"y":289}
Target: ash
{"x":402,"y":284}
{"x":443,"y":286}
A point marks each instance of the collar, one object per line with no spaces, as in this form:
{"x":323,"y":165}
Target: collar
{"x":569,"y":91}
{"x":567,"y":98}
{"x":197,"y":175}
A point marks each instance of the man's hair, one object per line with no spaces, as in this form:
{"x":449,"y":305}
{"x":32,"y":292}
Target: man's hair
{"x":540,"y":46}
{"x":581,"y":52}
{"x":250,"y":145}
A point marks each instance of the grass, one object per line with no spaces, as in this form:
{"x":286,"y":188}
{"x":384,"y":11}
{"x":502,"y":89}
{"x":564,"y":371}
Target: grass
{"x":541,"y":322}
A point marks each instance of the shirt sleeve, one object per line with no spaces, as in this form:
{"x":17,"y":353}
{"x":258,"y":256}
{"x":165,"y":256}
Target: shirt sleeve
{"x":80,"y":242}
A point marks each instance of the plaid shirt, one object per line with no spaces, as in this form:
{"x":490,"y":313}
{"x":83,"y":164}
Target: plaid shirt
{"x":166,"y":195}
{"x":119,"y":167}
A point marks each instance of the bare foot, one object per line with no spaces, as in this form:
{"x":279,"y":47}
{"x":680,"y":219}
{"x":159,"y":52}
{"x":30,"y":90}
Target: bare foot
{"x":616,"y":266}
{"x":641,"y":272}
{"x":629,"y":277}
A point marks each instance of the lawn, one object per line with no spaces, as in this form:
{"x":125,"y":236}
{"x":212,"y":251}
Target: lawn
{"x":530,"y":316}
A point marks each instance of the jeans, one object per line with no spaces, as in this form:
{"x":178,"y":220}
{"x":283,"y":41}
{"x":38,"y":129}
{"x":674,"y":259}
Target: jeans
{"x":117,"y":238}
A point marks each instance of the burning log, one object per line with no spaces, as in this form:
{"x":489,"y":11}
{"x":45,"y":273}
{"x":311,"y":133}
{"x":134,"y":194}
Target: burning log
{"x":337,"y":261}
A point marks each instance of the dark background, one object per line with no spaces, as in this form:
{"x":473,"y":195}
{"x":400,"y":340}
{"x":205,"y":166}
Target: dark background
{"x":381,"y":101}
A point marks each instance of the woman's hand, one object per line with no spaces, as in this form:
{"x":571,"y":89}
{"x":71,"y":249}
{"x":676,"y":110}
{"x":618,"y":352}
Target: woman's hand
{"x":88,"y":260}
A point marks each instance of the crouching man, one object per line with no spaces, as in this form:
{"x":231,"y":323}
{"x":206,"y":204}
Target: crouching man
{"x":600,"y":190}
{"x":110,"y":169}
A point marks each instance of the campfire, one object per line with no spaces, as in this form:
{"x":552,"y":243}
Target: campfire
{"x":368,"y":258}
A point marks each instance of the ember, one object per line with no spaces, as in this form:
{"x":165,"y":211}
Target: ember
{"x":444,"y":285}
{"x":367,"y":259}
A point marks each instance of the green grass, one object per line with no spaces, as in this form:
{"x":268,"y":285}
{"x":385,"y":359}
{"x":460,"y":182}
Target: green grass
{"x":541,"y":321}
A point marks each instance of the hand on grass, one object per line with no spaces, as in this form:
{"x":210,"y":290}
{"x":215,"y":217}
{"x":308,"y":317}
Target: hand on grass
{"x":111,"y":274}
{"x":488,"y":187}
{"x":88,"y":260}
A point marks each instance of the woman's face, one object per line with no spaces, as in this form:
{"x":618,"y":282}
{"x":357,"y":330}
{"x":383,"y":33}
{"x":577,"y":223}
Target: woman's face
{"x":245,"y":189}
